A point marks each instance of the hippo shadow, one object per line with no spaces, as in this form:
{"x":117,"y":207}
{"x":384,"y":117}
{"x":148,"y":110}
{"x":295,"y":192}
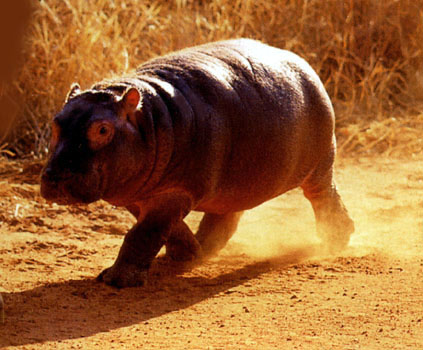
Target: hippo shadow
{"x":82,"y":308}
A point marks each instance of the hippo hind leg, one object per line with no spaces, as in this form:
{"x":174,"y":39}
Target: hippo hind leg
{"x":334,"y":225}
{"x":215,"y":230}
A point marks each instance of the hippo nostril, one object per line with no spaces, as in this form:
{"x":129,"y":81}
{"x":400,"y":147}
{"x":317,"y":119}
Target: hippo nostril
{"x":48,"y":171}
{"x":50,"y":175}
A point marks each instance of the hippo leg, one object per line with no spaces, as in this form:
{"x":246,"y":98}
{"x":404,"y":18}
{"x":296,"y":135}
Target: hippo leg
{"x":140,"y":246}
{"x":144,"y":240}
{"x":334,"y":225}
{"x":215,"y":230}
{"x":182,"y":244}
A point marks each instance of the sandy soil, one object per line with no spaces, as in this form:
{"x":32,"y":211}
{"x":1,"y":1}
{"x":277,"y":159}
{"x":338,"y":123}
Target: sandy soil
{"x":270,"y":288}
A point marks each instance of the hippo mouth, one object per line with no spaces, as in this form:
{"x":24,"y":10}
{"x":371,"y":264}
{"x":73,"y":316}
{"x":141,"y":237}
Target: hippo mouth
{"x":70,"y":191}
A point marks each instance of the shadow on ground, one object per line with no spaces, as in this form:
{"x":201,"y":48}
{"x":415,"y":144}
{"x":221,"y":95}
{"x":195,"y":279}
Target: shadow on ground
{"x":81,"y":308}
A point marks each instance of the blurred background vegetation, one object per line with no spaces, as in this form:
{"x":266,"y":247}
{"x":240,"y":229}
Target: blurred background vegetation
{"x":369,"y":55}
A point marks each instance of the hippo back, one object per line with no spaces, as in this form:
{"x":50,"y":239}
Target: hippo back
{"x":243,"y":115}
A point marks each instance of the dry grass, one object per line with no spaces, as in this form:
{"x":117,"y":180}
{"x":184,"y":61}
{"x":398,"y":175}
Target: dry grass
{"x":368,"y":53}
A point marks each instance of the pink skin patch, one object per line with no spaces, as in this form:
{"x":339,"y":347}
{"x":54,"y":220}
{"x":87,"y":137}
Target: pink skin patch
{"x":100,"y":133}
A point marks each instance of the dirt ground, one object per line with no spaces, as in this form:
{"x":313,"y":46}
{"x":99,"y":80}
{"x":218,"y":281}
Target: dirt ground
{"x":270,"y":288}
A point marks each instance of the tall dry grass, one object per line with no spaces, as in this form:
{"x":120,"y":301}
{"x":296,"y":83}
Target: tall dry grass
{"x":368,"y":53}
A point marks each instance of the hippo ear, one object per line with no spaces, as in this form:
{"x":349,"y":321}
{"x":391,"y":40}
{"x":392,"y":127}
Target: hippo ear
{"x":75,"y":89}
{"x":130,"y":100}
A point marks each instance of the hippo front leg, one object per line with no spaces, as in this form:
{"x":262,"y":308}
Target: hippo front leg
{"x":182,"y":244}
{"x":140,"y":246}
{"x":215,"y":231}
{"x":143,"y":242}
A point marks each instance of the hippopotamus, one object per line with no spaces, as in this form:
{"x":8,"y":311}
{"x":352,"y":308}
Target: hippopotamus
{"x":1,"y":310}
{"x":217,"y":128}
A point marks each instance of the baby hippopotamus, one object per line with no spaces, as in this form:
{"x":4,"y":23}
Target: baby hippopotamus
{"x":217,"y":128}
{"x":1,"y":310}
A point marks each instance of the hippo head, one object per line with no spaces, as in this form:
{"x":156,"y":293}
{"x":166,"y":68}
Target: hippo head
{"x":95,"y":148}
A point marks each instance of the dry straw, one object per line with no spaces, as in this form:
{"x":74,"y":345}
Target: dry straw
{"x":368,"y":53}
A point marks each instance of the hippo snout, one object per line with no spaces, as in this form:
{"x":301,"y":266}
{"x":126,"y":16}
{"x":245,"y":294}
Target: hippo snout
{"x":50,"y":175}
{"x":67,"y":188}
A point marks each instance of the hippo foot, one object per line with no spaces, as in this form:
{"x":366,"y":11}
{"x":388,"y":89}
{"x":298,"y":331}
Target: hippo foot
{"x":182,"y":245}
{"x":183,"y":251}
{"x":121,"y":276}
{"x":336,"y":234}
{"x":182,"y":255}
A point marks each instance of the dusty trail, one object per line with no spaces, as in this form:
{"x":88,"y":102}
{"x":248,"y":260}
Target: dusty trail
{"x":270,"y":288}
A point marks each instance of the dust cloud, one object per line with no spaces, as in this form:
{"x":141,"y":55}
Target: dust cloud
{"x":282,"y":231}
{"x":387,"y":212}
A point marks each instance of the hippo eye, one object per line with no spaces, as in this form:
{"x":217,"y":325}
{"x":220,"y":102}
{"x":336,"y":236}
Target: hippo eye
{"x":100,"y":133}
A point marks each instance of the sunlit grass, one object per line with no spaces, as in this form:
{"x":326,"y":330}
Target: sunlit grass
{"x":368,"y":53}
